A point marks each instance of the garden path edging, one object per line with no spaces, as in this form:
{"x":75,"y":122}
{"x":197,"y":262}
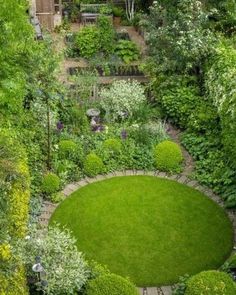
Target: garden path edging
{"x":48,"y":207}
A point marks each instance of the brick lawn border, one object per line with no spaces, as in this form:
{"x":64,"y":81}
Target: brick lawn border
{"x":48,"y":207}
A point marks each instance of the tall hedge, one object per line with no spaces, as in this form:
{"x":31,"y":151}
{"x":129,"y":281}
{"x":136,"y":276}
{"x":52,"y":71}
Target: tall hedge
{"x":15,"y":181}
{"x":221,"y":85}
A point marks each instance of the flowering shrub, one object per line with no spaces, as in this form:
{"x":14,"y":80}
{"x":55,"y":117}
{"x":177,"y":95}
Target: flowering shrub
{"x":64,"y":266}
{"x":122,"y":99}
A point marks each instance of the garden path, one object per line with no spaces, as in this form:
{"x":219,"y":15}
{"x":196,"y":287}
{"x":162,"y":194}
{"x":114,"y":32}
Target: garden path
{"x":48,"y":207}
{"x":175,"y":134}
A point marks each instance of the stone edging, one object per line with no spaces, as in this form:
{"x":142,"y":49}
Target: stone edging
{"x":48,"y":207}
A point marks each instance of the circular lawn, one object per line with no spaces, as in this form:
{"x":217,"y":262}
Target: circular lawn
{"x":150,"y":229}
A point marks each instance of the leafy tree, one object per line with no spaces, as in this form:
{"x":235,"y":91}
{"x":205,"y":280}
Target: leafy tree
{"x":178,"y":37}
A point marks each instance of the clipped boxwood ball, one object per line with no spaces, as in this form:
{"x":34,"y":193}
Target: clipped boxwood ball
{"x":113,"y":145}
{"x":93,"y":165}
{"x":211,"y":283}
{"x":168,"y":156}
{"x":111,"y":284}
{"x":67,"y":148}
{"x":51,"y":183}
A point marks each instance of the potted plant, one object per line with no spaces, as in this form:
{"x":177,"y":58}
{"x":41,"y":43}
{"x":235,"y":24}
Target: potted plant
{"x":117,"y":14}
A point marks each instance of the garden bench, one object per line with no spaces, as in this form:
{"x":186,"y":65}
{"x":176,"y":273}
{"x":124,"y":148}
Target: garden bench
{"x":89,"y":17}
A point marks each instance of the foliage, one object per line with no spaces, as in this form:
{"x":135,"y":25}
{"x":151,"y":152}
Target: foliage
{"x":67,"y":149}
{"x":88,"y":41}
{"x":183,"y":38}
{"x":180,"y":288}
{"x":56,"y":197}
{"x":93,"y":165}
{"x":65,"y":268}
{"x":106,"y":34}
{"x":212,"y":167}
{"x":179,"y":98}
{"x":211,"y":283}
{"x":112,"y":145}
{"x":117,"y":11}
{"x":220,"y":84}
{"x":168,"y":156}
{"x":122,"y":99}
{"x":14,"y":208}
{"x":50,"y":183}
{"x":127,"y":51}
{"x":110,"y":284}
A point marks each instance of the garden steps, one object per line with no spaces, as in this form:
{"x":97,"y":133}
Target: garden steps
{"x":48,"y":207}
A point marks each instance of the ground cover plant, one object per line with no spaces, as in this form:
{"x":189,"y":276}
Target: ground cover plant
{"x":152,"y":230}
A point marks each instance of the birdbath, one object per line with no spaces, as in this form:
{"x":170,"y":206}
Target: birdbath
{"x":93,"y":114}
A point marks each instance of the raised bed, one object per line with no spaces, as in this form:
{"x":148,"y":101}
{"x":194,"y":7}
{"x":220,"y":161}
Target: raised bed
{"x":123,"y":70}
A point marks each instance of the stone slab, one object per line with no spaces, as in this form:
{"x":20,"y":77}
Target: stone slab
{"x":152,"y":291}
{"x":166,"y":290}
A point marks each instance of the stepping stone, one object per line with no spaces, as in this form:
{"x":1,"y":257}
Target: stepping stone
{"x":152,"y":291}
{"x":140,"y":290}
{"x":166,"y":290}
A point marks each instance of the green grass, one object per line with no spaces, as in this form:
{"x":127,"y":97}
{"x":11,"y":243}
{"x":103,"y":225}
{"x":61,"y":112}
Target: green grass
{"x":150,"y":229}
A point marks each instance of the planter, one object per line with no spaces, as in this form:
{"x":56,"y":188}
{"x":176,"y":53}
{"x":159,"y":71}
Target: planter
{"x":116,"y":21}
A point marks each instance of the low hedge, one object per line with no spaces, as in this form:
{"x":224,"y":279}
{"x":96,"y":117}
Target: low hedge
{"x":168,"y":156}
{"x":111,"y":284}
{"x":50,"y":183}
{"x":93,"y":165}
{"x":211,"y":283}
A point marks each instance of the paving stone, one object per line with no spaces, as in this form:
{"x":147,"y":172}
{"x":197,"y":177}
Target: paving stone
{"x":140,"y":291}
{"x":139,"y":172}
{"x":82,"y":183}
{"x":173,"y":176}
{"x":152,"y":291}
{"x":167,"y":290}
{"x":109,"y":175}
{"x":100,"y":177}
{"x":151,"y":173}
{"x":162,"y":174}
{"x":182,"y":179}
{"x":119,"y":173}
{"x":159,"y":291}
{"x":193,"y":183}
{"x":129,"y":172}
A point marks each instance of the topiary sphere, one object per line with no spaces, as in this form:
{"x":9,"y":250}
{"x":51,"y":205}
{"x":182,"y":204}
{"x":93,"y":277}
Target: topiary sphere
{"x":168,"y":156}
{"x":211,"y":283}
{"x":111,"y":284}
{"x":93,"y":165}
{"x":50,"y":183}
{"x":113,"y":145}
{"x":67,"y":148}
